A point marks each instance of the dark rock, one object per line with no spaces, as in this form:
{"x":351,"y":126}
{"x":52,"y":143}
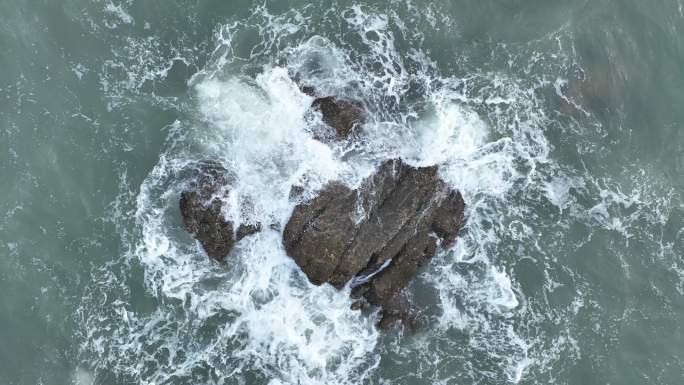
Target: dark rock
{"x":201,"y":208}
{"x":343,"y":116}
{"x":317,"y":233}
{"x":397,"y":310}
{"x":378,"y":236}
{"x":296,"y":192}
{"x":308,"y":90}
{"x":247,"y":230}
{"x":356,"y":305}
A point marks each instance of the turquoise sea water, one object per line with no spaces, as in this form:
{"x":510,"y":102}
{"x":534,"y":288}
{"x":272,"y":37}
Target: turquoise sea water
{"x":560,"y":121}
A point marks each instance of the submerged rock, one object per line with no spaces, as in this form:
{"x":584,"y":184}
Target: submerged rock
{"x":308,"y":90}
{"x":378,"y":236}
{"x":201,"y":207}
{"x":344,"y":116}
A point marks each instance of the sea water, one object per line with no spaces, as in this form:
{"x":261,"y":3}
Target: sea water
{"x":558,"y":122}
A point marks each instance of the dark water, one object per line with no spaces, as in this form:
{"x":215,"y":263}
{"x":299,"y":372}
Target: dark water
{"x":561,"y":122}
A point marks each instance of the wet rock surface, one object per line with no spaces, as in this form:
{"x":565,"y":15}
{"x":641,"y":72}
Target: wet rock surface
{"x":201,"y":208}
{"x":377,"y":237}
{"x":344,"y":116}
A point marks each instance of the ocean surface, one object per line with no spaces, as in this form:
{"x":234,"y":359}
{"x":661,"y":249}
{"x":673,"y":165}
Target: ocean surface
{"x":561,"y":122}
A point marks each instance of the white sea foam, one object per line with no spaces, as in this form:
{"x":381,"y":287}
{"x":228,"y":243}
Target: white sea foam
{"x":82,"y":377}
{"x":119,"y":11}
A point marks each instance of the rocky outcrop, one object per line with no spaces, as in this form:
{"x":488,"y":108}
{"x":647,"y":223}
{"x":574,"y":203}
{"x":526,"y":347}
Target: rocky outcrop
{"x":344,"y":116}
{"x":201,"y":208}
{"x":375,"y":238}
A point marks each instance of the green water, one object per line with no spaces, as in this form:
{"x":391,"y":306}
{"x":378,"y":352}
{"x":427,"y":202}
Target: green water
{"x":94,"y":93}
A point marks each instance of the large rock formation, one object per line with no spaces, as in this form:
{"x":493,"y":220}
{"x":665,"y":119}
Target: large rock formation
{"x":377,"y":236}
{"x":201,"y":208}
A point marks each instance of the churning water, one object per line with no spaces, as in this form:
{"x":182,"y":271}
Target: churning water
{"x":562,"y":137}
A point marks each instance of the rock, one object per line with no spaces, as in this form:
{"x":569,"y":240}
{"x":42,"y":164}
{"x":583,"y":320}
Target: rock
{"x":201,"y":208}
{"x":308,"y":90}
{"x":356,"y":305}
{"x":343,"y":116}
{"x":317,"y":233}
{"x":398,"y":310}
{"x":247,"y":230}
{"x":296,"y":192}
{"x":378,"y":236}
